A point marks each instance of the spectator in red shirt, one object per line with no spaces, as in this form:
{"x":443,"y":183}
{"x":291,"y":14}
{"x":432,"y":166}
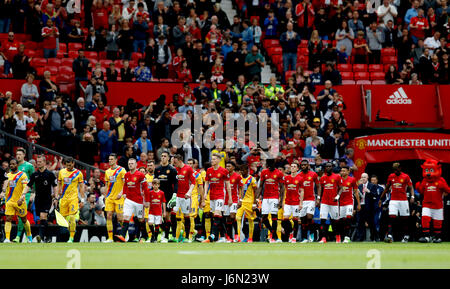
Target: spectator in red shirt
{"x":305,"y":13}
{"x":9,"y":48}
{"x":184,"y":74}
{"x":100,"y":14}
{"x":50,"y":34}
{"x":418,"y":26}
{"x":360,"y":48}
{"x":101,"y":114}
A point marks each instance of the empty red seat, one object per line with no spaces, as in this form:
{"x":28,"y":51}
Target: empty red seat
{"x":271,"y":43}
{"x":344,"y":67}
{"x":375,"y":67}
{"x":359,"y":67}
{"x":102,"y":55}
{"x":302,"y":51}
{"x":30,"y":53}
{"x":105,"y":62}
{"x":136,"y":56}
{"x":65,"y":69}
{"x":347,"y":75}
{"x":54,"y":62}
{"x":31,"y":45}
{"x":389,"y":59}
{"x":62,"y":47}
{"x":73,"y":54}
{"x":118,"y":64}
{"x":377,"y":82}
{"x":75,"y":46}
{"x":66,"y":62}
{"x":377,"y":75}
{"x":348,"y":82}
{"x":38,"y":62}
{"x":361,"y":75}
{"x":288,"y":74}
{"x":93,"y":61}
{"x":91,"y":54}
{"x":60,"y":54}
{"x":388,"y":52}
{"x":363,"y":81}
{"x":276,"y":51}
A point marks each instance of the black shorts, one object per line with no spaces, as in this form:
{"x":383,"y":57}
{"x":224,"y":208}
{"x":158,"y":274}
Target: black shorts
{"x":42,"y":206}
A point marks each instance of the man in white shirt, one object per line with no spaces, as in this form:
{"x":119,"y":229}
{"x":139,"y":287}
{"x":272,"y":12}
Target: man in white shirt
{"x":433,"y":42}
{"x":387,"y":12}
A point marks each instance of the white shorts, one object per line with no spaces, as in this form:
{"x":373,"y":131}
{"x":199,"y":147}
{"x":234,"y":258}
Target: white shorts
{"x":328,"y":209}
{"x":309,"y":208}
{"x":345,"y":211}
{"x":216,"y":205}
{"x":289,"y":210}
{"x":132,"y":208}
{"x":230,"y":209}
{"x":435,"y":214}
{"x":399,"y":207}
{"x":184,"y":205}
{"x":269,"y":206}
{"x":156,"y":220}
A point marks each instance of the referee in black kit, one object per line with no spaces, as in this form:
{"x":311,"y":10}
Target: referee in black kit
{"x":44,"y":181}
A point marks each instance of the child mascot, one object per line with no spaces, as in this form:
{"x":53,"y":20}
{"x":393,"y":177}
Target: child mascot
{"x":433,"y":188}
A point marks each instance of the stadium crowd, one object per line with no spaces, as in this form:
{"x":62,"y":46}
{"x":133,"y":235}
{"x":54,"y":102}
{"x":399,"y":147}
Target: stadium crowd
{"x":193,"y":41}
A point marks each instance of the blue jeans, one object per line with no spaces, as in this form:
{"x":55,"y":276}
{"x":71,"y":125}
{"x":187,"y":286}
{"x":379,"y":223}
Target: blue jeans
{"x":139,"y":45}
{"x":289,"y":59}
{"x":49,"y":53}
{"x":4,"y":25}
{"x":7,"y":67}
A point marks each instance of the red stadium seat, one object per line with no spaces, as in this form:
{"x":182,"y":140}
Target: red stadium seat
{"x":344,"y":67}
{"x":65,"y":69}
{"x":102,"y":55}
{"x":386,"y":67}
{"x":136,"y":56}
{"x":389,"y":59}
{"x":91,"y":54}
{"x":271,"y":43}
{"x":254,"y":17}
{"x":38,"y":62}
{"x":348,"y":82}
{"x":304,"y":43}
{"x":75,"y":46}
{"x":302,"y":51}
{"x":104,"y":166}
{"x":277,"y":50}
{"x":73,"y":54}
{"x":54,"y":62}
{"x":53,"y":69}
{"x":66,"y":62}
{"x":105,"y":62}
{"x":377,"y":82}
{"x":30,"y":53}
{"x":361,"y":76}
{"x":118,"y":64}
{"x":359,"y":67}
{"x":288,"y":74}
{"x":31,"y":45}
{"x":388,"y":52}
{"x":375,"y":67}
{"x":378,"y":75}
{"x":60,"y":54}
{"x":347,"y":75}
{"x":62,"y":47}
{"x":363,"y":81}
{"x":93,"y":61}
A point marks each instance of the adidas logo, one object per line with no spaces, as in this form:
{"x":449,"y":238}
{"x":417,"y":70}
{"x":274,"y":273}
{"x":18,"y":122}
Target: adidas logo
{"x":399,"y":97}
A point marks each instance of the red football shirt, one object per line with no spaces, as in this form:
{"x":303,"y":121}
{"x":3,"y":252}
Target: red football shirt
{"x":50,"y":41}
{"x":292,"y":185}
{"x":349,"y":186}
{"x":398,"y":186}
{"x":235,"y":183}
{"x":100,"y":17}
{"x":10,"y":49}
{"x":185,"y":180}
{"x":271,"y":180}
{"x":216,"y":179}
{"x":432,"y":193}
{"x":330,"y":186}
{"x":308,"y":181}
{"x":156,"y":201}
{"x":421,"y":24}
{"x":132,"y":188}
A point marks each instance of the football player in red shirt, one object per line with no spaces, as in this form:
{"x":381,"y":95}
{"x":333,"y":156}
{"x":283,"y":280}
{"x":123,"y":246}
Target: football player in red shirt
{"x":293,"y":202}
{"x":309,"y":180}
{"x":133,"y":190}
{"x":330,"y":184}
{"x":217,"y":182}
{"x":230,"y":211}
{"x":272,"y":182}
{"x":399,"y":182}
{"x":345,"y":197}
{"x":186,"y":183}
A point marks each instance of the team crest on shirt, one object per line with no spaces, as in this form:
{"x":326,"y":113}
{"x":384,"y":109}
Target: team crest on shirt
{"x":112,"y":178}
{"x":67,"y":181}
{"x":296,"y":182}
{"x":309,"y":178}
{"x":401,"y":180}
{"x":332,"y":181}
{"x":168,"y":172}
{"x":219,"y":175}
{"x":436,"y":183}
{"x":348,"y":184}
{"x":134,"y":179}
{"x":274,"y":176}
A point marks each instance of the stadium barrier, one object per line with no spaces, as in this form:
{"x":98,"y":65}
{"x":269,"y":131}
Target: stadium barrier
{"x":10,"y":143}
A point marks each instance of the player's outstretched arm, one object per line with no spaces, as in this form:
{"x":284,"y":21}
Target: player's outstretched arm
{"x":388,"y":186}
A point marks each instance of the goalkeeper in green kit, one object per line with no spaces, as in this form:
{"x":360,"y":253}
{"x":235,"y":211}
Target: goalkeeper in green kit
{"x":28,"y":169}
{"x":167,"y":176}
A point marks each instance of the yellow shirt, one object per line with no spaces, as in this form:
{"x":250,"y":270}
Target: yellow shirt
{"x":248,"y":190}
{"x":120,"y":129}
{"x":16,"y":185}
{"x":198,"y":182}
{"x":114,"y":179}
{"x":224,"y":156}
{"x":69,"y":182}
{"x":149,"y":180}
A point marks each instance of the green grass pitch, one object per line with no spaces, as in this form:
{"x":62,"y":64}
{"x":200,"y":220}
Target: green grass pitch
{"x":231,"y":256}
